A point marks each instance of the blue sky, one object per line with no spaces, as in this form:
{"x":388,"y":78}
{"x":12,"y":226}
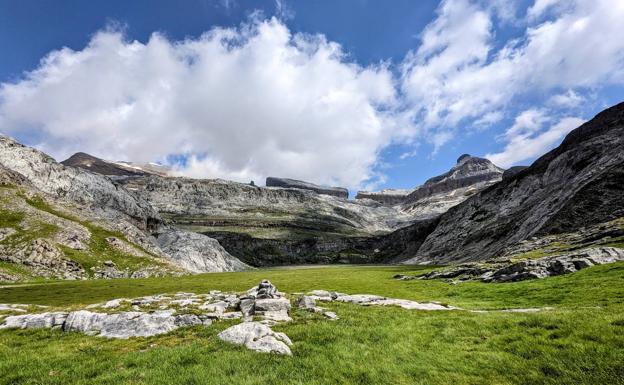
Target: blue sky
{"x":361,"y":93}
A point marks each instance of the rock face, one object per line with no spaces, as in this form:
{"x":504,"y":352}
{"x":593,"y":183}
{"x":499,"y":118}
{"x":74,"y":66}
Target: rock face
{"x":530,"y":268}
{"x":438,"y":194}
{"x":74,"y":185}
{"x":511,"y":171}
{"x":339,"y":192}
{"x":197,"y":253}
{"x":388,"y":197}
{"x":470,"y":171}
{"x":97,"y":165}
{"x":579,"y":183}
{"x":268,"y":226}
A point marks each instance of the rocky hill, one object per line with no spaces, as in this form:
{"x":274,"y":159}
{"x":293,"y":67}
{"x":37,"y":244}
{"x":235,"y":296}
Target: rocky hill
{"x":64,"y":222}
{"x":578,"y":184}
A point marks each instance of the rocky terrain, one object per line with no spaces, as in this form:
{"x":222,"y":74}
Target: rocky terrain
{"x":259,"y":308}
{"x":506,"y":270}
{"x":64,"y":222}
{"x":89,"y":217}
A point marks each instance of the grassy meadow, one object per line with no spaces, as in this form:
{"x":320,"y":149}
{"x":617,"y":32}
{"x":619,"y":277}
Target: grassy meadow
{"x":579,"y":341}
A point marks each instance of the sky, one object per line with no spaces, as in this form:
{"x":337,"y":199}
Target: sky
{"x":366,"y":94}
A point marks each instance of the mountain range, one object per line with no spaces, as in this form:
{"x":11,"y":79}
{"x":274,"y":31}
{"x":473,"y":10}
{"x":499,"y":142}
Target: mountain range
{"x":92,"y":218}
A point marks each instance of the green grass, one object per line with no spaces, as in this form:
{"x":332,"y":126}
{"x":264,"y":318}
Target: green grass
{"x":98,"y":248}
{"x":581,"y":341}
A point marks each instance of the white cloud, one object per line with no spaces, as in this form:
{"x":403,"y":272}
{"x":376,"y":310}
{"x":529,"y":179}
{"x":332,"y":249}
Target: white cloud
{"x":527,"y":122}
{"x":528,"y":144}
{"x":457,"y":74}
{"x":568,"y":99}
{"x":244,"y":103}
{"x":241,"y":103}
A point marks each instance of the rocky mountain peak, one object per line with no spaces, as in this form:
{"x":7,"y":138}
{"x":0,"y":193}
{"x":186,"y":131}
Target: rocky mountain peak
{"x":463,"y":157}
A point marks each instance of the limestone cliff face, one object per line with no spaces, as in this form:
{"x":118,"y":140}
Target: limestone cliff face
{"x":579,"y":183}
{"x":269,"y":225}
{"x":339,"y":192}
{"x":219,"y":203}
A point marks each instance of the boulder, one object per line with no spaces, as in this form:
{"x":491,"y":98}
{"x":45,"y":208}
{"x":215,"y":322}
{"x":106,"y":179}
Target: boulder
{"x":267,"y":290}
{"x":197,"y":253}
{"x":306,"y":302}
{"x":258,"y":337}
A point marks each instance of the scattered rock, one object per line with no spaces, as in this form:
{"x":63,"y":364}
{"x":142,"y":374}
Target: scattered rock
{"x":508,"y":271}
{"x":258,"y":337}
{"x":376,"y":300}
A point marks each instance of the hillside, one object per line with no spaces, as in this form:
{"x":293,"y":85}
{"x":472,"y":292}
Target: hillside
{"x":64,"y":222}
{"x":577,"y":185}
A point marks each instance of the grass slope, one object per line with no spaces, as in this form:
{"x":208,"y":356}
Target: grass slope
{"x":581,"y":341}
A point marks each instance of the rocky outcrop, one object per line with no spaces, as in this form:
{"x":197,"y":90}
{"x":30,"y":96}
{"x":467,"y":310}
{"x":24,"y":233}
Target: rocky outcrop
{"x":197,"y":253}
{"x":65,"y":217}
{"x":127,"y":324}
{"x":257,"y":337}
{"x":339,"y":192}
{"x":97,"y":165}
{"x":579,"y":183}
{"x":508,"y":271}
{"x":375,"y":300}
{"x":75,"y":185}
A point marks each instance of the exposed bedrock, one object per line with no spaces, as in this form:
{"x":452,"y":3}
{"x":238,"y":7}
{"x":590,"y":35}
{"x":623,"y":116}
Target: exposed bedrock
{"x":578,"y":184}
{"x":470,"y":175}
{"x":339,"y":192}
{"x":75,"y":185}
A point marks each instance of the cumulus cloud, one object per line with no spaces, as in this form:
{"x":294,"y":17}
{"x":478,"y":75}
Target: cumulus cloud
{"x":244,"y":103}
{"x":526,"y":140}
{"x":459,"y":74}
{"x":235,"y":103}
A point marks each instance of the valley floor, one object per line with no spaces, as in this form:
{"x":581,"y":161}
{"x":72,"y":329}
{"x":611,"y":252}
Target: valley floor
{"x":576,"y":338}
